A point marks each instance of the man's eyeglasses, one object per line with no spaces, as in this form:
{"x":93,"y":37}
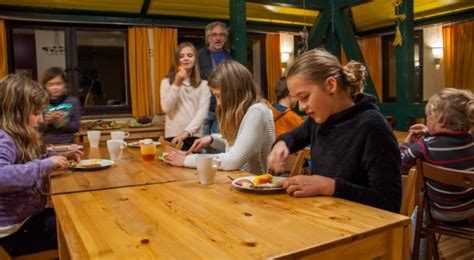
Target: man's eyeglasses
{"x":221,"y":35}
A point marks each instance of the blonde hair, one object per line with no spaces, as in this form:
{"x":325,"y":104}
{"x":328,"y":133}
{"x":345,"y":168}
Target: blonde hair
{"x":238,"y":93}
{"x":20,"y":97}
{"x":211,"y":26}
{"x":453,"y":108}
{"x":317,"y":65}
{"x":195,"y":78}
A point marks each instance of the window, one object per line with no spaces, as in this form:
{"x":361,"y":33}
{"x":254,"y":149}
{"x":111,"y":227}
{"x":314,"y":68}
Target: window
{"x":87,"y":54}
{"x":389,"y":68}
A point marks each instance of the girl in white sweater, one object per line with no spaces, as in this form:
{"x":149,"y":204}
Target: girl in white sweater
{"x":184,"y":97}
{"x":245,"y":122}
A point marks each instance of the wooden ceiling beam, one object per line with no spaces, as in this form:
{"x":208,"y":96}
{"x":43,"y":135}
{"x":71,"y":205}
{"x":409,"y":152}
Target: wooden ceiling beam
{"x":145,"y":6}
{"x":310,"y":4}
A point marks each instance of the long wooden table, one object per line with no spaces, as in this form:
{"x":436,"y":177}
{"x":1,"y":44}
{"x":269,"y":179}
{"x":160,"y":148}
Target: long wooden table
{"x":187,"y":220}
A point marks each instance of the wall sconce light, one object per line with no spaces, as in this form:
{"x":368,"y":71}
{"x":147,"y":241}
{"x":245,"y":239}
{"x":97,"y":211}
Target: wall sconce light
{"x":437,"y":54}
{"x":285,"y":56}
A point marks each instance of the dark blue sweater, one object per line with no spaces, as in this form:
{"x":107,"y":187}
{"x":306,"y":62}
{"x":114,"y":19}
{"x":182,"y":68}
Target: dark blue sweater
{"x":357,"y":148}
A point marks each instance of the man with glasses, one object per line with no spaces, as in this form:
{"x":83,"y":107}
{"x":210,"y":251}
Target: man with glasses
{"x":210,"y":57}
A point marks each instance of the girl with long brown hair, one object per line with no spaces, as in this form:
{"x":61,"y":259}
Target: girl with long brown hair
{"x":245,"y":122}
{"x":26,"y":226}
{"x":184,"y":97}
{"x":354,"y":153}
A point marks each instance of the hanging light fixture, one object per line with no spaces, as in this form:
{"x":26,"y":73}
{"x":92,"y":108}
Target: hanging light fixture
{"x":56,"y":49}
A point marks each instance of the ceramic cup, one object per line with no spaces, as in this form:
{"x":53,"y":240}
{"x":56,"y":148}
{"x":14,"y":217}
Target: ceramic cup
{"x":207,"y":166}
{"x":119,"y":135}
{"x":115,"y":148}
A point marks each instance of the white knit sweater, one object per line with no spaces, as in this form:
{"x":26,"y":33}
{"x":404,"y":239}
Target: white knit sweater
{"x":185,"y":107}
{"x":252,"y":146}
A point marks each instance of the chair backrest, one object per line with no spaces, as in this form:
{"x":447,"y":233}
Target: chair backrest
{"x":408,"y":196}
{"x":178,"y":146}
{"x":459,"y":178}
{"x":295,"y":165}
{"x":4,"y":254}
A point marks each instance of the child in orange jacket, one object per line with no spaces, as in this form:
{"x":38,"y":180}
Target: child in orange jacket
{"x":285,"y":118}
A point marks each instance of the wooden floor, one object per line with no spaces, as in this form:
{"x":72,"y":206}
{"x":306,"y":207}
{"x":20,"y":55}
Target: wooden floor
{"x":455,"y":248}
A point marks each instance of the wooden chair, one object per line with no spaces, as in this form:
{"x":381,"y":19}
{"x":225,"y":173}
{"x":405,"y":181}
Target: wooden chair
{"x":459,"y":178}
{"x":296,"y":161}
{"x":408,"y":195}
{"x":178,"y":146}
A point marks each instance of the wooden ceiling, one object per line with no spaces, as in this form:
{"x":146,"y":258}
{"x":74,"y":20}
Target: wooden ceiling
{"x":375,"y":14}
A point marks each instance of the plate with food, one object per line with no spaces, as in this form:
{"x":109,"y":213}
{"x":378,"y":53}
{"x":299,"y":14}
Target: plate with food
{"x":105,"y":125}
{"x":90,"y":164}
{"x":138,"y":125}
{"x":137,"y":144}
{"x":64,"y":148}
{"x":264,"y":182}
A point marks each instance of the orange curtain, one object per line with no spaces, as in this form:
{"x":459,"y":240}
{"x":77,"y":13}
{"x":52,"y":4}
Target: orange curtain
{"x":372,"y":51}
{"x":3,"y":50}
{"x":273,"y":61}
{"x":165,"y":42}
{"x":139,"y":66}
{"x":458,"y":55}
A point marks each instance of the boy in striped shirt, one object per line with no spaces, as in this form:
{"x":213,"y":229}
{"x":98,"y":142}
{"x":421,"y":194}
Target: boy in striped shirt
{"x":446,"y":141}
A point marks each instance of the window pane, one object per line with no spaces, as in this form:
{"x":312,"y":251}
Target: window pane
{"x":101,"y":60}
{"x":34,"y":51}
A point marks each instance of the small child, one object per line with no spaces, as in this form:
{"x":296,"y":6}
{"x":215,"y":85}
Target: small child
{"x":26,"y":225}
{"x":63,"y":115}
{"x":446,"y":141}
{"x":285,"y":118}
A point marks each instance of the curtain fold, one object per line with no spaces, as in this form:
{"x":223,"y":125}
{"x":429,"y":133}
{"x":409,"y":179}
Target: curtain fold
{"x":139,"y":67}
{"x":371,"y":48}
{"x":372,"y":51}
{"x":3,"y":50}
{"x":165,"y":42}
{"x":273,"y":62}
{"x":458,"y":55}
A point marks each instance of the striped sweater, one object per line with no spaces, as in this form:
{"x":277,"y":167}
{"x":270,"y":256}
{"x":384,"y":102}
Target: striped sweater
{"x":451,"y":150}
{"x":251,"y":147}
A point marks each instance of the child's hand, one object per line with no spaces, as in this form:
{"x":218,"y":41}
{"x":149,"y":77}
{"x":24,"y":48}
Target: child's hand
{"x":180,"y":77}
{"x":48,"y":118}
{"x":416,"y":132}
{"x":75,"y":155}
{"x":59,"y":162}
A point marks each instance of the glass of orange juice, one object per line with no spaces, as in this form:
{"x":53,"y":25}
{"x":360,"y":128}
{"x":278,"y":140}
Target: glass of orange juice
{"x":148,"y":151}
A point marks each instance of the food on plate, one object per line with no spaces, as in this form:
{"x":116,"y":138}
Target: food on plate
{"x":180,"y":68}
{"x":143,"y":120}
{"x":245,"y":183}
{"x":102,"y":124}
{"x":262,"y":179}
{"x":163,"y":156}
{"x":87,"y":164}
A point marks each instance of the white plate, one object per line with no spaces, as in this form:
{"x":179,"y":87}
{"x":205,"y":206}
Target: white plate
{"x":65,"y":148}
{"x":261,"y":187}
{"x":99,"y":165}
{"x":137,"y":144}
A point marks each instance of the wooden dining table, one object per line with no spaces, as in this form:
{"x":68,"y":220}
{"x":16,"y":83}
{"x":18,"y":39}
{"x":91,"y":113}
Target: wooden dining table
{"x":146,"y":210}
{"x":185,"y":219}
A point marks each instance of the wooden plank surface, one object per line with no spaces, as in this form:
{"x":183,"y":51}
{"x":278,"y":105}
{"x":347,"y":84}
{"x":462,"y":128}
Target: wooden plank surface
{"x":187,"y":220}
{"x":131,"y":170}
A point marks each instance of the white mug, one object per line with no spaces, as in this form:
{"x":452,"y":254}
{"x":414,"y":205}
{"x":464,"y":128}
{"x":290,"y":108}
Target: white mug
{"x":119,"y":135}
{"x":94,"y":138}
{"x":115,"y":148}
{"x":206,"y":165}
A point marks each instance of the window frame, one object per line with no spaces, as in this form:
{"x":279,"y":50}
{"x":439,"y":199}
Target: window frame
{"x":71,"y":70}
